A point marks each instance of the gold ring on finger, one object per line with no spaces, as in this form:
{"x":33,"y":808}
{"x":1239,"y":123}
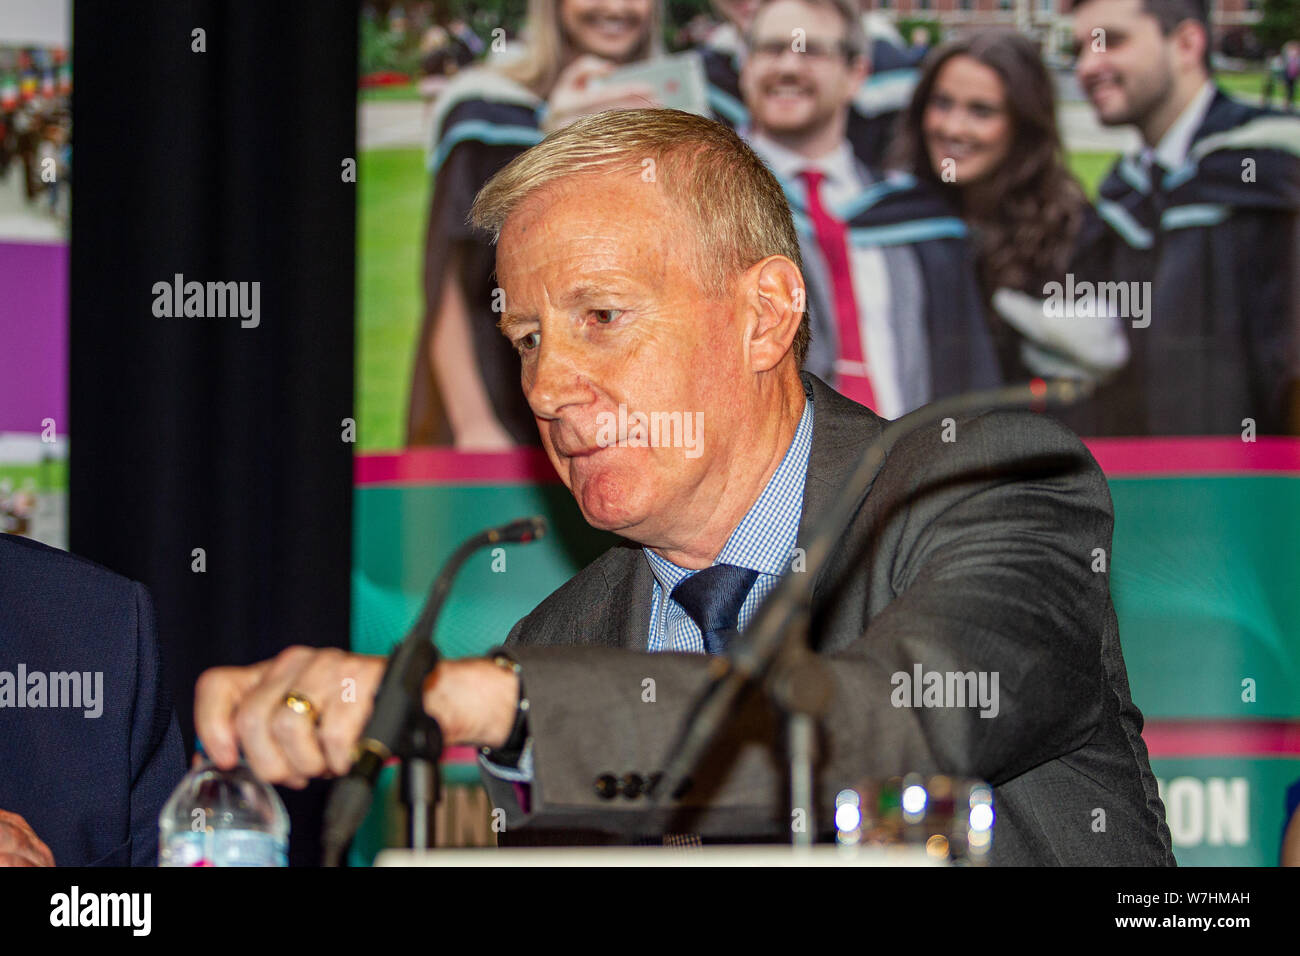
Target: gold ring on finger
{"x":301,"y":704}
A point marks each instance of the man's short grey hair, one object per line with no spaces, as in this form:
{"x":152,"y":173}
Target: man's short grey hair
{"x":737,"y":207}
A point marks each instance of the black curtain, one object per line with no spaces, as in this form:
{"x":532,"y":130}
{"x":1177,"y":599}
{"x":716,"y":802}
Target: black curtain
{"x":190,"y":433}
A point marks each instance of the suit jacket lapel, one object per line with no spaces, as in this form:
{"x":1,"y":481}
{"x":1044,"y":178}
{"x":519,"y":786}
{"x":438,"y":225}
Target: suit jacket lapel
{"x":624,"y":619}
{"x":842,"y":430}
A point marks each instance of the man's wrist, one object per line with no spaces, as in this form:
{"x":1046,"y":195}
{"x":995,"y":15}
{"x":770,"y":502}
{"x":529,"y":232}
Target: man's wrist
{"x":510,"y":750}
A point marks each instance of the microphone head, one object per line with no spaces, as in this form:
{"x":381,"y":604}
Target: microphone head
{"x":1062,"y":391}
{"x":521,"y":531}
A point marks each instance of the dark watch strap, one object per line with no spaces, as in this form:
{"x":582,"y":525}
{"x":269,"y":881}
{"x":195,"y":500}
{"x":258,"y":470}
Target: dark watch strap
{"x":509,"y":753}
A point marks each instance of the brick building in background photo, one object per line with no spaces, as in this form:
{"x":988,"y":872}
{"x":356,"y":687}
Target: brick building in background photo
{"x":1050,"y":20}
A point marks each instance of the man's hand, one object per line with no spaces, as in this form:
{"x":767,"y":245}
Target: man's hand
{"x":19,"y":844}
{"x":243,"y":708}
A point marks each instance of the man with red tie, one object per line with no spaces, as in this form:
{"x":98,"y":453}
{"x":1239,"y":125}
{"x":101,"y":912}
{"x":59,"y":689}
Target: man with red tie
{"x":898,"y":319}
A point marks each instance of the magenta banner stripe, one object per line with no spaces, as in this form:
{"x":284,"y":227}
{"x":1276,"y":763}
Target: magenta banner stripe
{"x":460,"y":755}
{"x":1223,"y":738}
{"x":1118,"y":457}
{"x":33,"y":336}
{"x":1218,"y":455}
{"x":446,"y":466}
{"x":1164,"y":738}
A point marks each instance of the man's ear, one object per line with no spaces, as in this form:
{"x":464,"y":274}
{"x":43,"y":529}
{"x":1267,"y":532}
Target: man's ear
{"x":861,"y":66}
{"x":1190,"y":40}
{"x":775,"y":301}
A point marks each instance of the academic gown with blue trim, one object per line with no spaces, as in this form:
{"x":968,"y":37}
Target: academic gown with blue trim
{"x":898,"y":213}
{"x":475,"y":138}
{"x":1219,"y":241}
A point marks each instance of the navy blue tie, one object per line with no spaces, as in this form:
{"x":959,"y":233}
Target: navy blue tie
{"x":712,"y":598}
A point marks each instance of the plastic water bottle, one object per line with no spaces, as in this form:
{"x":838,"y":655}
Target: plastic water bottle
{"x":223,"y":818}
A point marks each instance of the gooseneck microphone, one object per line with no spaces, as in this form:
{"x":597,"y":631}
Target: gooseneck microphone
{"x":777,"y":622}
{"x":399,"y":699}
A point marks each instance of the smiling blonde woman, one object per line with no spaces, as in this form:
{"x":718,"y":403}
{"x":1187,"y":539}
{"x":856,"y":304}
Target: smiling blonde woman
{"x":465,"y":383}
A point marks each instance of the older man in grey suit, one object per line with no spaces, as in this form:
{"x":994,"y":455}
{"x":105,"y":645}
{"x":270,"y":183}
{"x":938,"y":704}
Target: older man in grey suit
{"x":651,"y":269}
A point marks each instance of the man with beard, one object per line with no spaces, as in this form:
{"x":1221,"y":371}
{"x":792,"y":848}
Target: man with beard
{"x":1206,"y":218}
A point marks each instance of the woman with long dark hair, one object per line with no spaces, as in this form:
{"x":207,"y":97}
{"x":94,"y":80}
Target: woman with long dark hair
{"x":982,"y":123}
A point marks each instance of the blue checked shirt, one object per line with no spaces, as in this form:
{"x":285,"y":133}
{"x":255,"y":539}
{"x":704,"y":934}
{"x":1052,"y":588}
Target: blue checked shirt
{"x":764,"y":541}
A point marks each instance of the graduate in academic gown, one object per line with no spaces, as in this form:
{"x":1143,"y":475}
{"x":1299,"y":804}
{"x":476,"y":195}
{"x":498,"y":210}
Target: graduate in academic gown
{"x":485,"y":120}
{"x":465,"y":378}
{"x":941,"y":340}
{"x":1218,"y":238}
{"x":1208,"y":214}
{"x":895,"y":306}
{"x":982,"y":128}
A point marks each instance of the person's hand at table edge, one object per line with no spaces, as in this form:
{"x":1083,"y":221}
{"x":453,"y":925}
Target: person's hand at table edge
{"x":299,"y":714}
{"x":19,"y":844}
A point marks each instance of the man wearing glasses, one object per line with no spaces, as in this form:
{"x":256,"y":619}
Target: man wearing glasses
{"x":883,"y":91}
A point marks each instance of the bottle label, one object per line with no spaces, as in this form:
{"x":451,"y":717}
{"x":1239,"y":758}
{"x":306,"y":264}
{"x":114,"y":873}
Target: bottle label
{"x":224,"y":848}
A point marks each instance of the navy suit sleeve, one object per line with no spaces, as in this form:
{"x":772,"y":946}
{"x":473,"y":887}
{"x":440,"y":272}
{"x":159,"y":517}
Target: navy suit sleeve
{"x":157,"y":754}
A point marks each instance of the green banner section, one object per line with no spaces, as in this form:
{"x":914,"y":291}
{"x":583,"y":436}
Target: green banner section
{"x":403,"y":535}
{"x":1226,"y":811}
{"x":1206,"y":582}
{"x":1204,"y":574}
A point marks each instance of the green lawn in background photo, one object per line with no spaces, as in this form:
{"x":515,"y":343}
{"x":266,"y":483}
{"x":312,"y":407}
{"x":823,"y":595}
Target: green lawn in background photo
{"x":51,"y":475}
{"x":393,"y":192}
{"x":1248,"y":84}
{"x":393,"y":197}
{"x":1091,"y":169}
{"x":378,"y":94}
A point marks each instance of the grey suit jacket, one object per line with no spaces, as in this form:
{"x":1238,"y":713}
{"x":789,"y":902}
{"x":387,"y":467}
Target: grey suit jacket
{"x":975,"y":554}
